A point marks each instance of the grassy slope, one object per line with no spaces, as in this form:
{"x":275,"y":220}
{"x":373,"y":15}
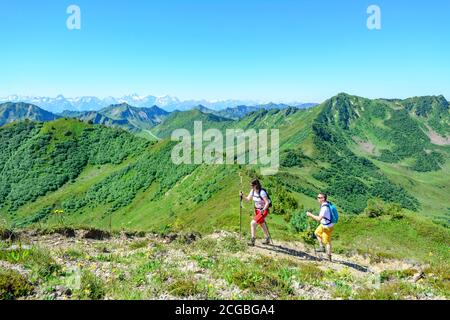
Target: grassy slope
{"x":220,"y":209}
{"x":430,"y":188}
{"x":409,"y":237}
{"x":90,"y":176}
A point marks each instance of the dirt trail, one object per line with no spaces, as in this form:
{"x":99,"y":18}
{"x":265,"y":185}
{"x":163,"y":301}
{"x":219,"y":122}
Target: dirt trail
{"x":294,"y":250}
{"x":356,"y":264}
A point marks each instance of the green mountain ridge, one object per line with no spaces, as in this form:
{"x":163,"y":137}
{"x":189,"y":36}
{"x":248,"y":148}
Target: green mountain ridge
{"x":185,"y":120}
{"x":133,"y":119}
{"x":356,"y":149}
{"x":153,"y":115}
{"x":12,"y":112}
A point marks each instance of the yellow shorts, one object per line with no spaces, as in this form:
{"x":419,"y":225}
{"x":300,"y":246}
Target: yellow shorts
{"x":324,"y":233}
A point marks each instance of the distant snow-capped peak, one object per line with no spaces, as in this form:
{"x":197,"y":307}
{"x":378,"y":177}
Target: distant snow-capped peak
{"x":61,"y":103}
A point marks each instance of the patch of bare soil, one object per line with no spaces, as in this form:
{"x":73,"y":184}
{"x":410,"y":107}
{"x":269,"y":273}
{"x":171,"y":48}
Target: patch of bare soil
{"x":438,"y":139}
{"x":365,"y":146}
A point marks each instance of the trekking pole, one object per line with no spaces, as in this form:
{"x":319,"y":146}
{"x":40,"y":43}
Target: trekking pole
{"x":268,"y":231}
{"x":240,"y":209}
{"x":240,"y":218}
{"x":314,"y":239}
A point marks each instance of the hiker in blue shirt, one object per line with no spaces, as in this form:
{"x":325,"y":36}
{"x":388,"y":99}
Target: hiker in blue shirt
{"x":325,"y":229}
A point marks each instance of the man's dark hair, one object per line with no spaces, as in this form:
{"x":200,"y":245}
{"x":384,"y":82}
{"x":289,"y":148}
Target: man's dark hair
{"x":325,"y":196}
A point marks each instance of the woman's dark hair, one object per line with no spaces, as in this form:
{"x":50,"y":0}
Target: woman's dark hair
{"x":325,"y":196}
{"x":257,"y":184}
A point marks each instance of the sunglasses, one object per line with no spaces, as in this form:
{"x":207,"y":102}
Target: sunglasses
{"x":320,"y":197}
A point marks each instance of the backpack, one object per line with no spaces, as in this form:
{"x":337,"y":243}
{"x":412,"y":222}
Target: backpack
{"x":334,"y":214}
{"x":268,"y":197}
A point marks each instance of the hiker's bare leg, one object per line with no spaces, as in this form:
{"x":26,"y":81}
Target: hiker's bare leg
{"x":253,"y":226}
{"x":328,"y":248}
{"x":266,"y":231}
{"x":318,"y":236}
{"x":320,"y":240}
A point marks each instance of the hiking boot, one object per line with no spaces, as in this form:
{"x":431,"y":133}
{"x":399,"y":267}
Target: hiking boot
{"x":252,"y":242}
{"x":267,"y":241}
{"x":329,"y":258}
{"x":321,"y":249}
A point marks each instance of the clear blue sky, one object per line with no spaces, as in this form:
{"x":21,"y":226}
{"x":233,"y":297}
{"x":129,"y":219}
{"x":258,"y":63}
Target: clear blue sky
{"x":279,"y":50}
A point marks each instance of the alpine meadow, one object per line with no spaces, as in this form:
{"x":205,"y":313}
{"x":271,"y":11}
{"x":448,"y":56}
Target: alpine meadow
{"x":99,"y":188}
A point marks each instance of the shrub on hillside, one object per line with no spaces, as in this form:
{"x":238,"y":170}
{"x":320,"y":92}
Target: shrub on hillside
{"x":299,"y":222}
{"x":304,"y":226}
{"x":377,"y":207}
{"x":292,"y":158}
{"x":283,"y":201}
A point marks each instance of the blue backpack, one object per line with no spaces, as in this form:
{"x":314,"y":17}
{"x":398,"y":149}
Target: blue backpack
{"x":333,"y":212}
